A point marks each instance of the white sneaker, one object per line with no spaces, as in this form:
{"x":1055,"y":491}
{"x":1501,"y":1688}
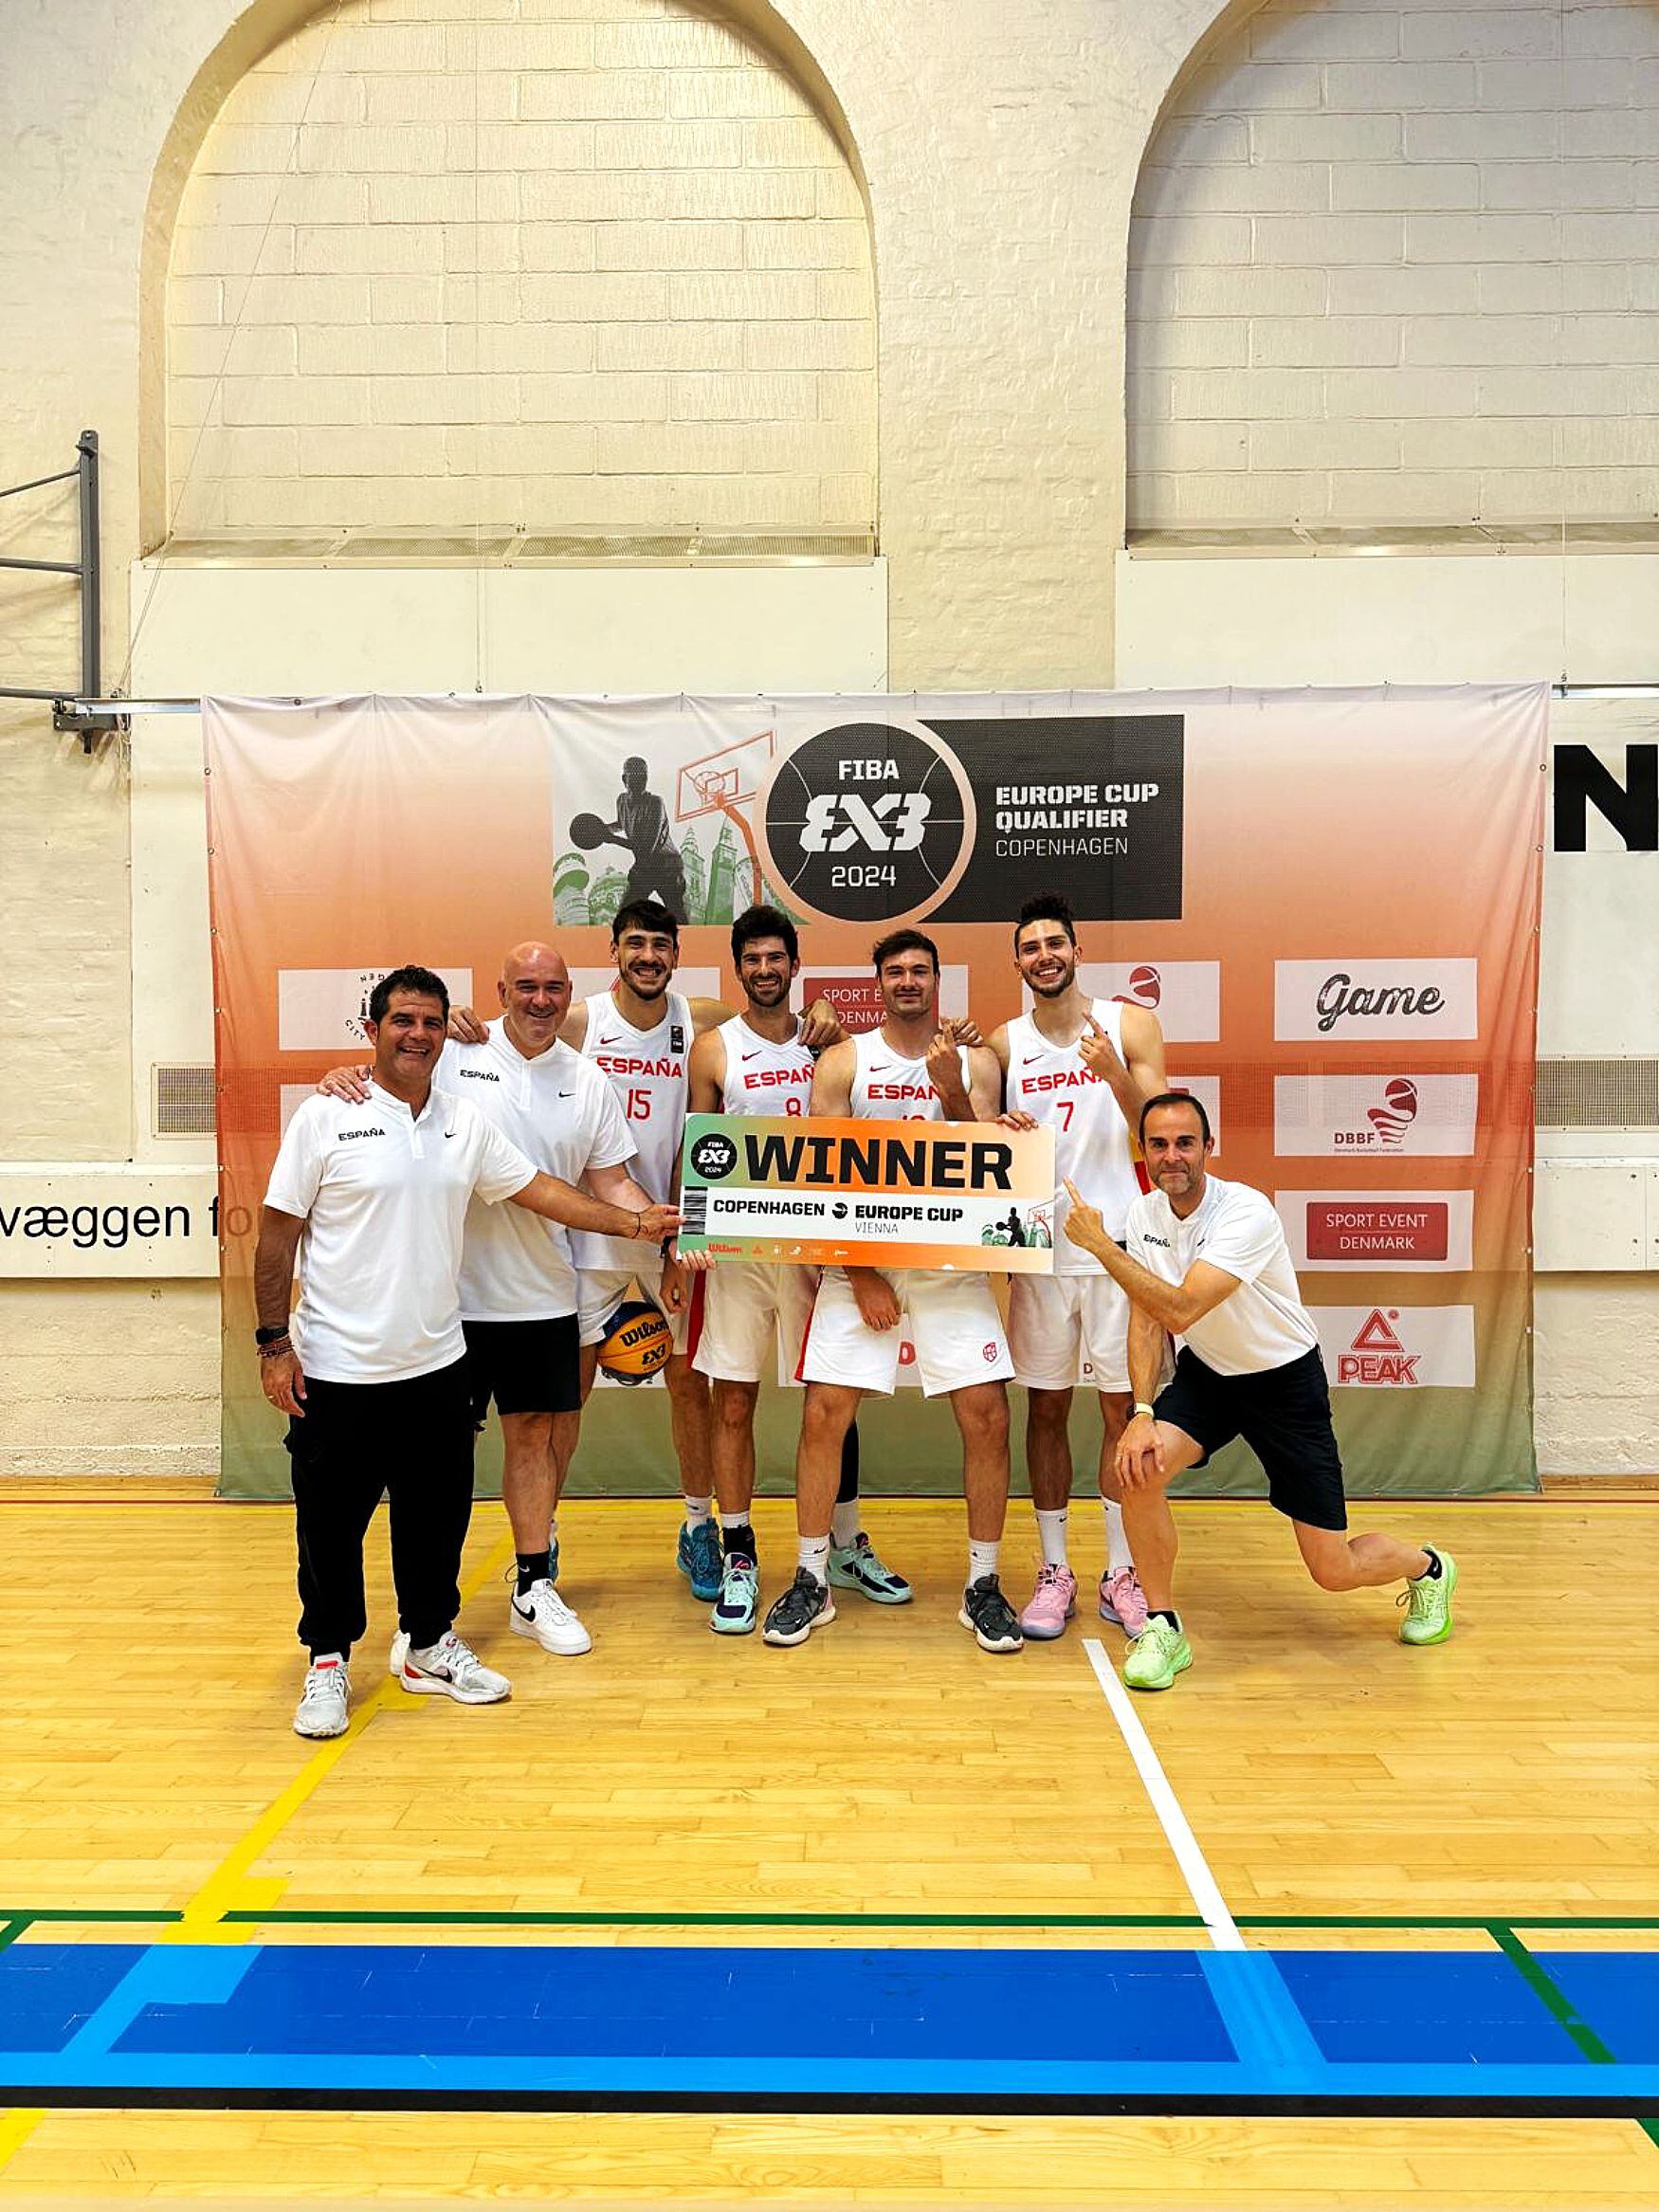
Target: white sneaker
{"x":450,"y":1669}
{"x":542,"y":1614}
{"x":325,"y":1703}
{"x":397,"y":1655}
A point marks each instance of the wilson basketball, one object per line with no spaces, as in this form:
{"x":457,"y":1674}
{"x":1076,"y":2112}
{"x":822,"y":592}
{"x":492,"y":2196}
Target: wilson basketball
{"x":586,"y":831}
{"x":636,"y":1343}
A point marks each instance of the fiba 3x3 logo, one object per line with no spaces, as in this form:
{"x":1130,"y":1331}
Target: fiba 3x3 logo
{"x":867,"y":822}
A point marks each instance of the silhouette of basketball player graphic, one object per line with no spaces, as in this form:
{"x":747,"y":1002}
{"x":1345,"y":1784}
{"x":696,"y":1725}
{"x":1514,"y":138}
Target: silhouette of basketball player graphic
{"x":642,"y":824}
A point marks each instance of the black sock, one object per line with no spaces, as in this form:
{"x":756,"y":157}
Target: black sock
{"x":739,"y":1539}
{"x":532,"y":1568}
{"x":1164,"y":1612}
{"x":848,"y":1489}
{"x":1432,"y":1572}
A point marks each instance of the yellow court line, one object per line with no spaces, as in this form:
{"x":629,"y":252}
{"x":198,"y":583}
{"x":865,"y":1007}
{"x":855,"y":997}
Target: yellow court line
{"x":202,"y":1920}
{"x":227,"y":1887}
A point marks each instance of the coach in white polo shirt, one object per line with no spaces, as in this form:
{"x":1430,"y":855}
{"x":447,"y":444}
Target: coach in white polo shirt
{"x":1207,"y":1262}
{"x":519,"y":1299}
{"x":370,"y":1198}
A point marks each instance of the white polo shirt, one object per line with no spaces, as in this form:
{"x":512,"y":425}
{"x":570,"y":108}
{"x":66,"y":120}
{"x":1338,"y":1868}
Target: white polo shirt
{"x":562,"y":1112}
{"x":384,"y":1198}
{"x":1264,"y":1322}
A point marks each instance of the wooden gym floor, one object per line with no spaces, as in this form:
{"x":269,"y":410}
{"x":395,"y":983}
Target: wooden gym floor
{"x":880,"y":1920}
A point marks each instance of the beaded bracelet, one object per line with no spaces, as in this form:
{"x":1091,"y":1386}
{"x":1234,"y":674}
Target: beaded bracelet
{"x":278,"y":1351}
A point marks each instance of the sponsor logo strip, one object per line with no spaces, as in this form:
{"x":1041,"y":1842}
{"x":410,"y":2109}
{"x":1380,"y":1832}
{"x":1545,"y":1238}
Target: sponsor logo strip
{"x":1376,"y":1001}
{"x":1380,"y":1229}
{"x":1398,"y":1347}
{"x":1335,"y":1117}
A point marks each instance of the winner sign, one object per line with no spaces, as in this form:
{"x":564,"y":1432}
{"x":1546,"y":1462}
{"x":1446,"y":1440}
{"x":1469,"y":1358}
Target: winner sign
{"x":868,"y":1194}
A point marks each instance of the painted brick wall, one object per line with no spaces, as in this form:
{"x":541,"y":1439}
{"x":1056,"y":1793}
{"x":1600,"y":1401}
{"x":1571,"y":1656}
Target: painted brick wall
{"x":598,"y":266}
{"x":1398,"y":261}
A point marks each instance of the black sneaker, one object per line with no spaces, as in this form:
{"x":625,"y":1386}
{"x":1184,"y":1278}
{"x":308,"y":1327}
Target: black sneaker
{"x":804,"y":1606}
{"x":988,"y":1613}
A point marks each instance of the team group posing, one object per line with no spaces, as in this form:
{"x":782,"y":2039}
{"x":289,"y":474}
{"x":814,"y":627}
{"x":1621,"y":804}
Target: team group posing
{"x":424,"y":1296}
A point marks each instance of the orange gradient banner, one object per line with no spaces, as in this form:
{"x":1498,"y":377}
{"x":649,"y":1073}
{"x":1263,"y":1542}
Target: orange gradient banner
{"x":1330,"y":899}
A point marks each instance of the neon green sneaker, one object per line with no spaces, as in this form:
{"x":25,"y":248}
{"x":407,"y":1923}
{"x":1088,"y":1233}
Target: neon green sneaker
{"x":1160,"y":1654}
{"x":1427,"y":1602}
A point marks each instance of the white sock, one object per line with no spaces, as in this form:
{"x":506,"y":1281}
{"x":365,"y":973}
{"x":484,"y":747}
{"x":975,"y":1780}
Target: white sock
{"x":698,"y":1510}
{"x":843,"y":1524}
{"x":738,"y":1520}
{"x":981,"y":1560}
{"x":1117,"y":1552}
{"x":816,"y":1557}
{"x":1051,"y":1533}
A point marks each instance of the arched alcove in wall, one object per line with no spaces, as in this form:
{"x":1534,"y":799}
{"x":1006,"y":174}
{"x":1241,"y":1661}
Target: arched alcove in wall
{"x":601,"y":264}
{"x":1391,"y":264}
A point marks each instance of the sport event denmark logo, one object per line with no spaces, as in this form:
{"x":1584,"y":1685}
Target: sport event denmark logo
{"x":1376,"y":998}
{"x":1398,"y":1347}
{"x":867,"y":822}
{"x":1325,"y":1117}
{"x":1361,"y":1231}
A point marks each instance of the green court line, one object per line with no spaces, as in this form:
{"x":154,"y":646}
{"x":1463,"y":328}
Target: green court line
{"x":1558,"y":2004}
{"x":15,"y":1919}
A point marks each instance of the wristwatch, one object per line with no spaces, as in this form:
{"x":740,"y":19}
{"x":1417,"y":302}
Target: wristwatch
{"x":269,"y":1336}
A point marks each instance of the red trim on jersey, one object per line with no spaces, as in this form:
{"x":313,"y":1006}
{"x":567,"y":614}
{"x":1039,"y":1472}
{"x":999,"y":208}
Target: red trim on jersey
{"x":801,"y":1355}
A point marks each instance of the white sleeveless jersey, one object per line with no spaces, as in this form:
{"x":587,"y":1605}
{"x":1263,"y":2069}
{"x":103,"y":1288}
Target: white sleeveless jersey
{"x":762,"y":1077}
{"x":1091,"y":1138}
{"x":648,"y":1071}
{"x":888,"y":1086}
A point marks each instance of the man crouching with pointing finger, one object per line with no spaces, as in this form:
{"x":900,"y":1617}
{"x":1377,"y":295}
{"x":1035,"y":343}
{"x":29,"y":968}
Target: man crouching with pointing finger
{"x":370,"y":1198}
{"x":1207,"y":1262}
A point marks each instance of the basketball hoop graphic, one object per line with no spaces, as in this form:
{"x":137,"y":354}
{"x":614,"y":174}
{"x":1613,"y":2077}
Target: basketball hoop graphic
{"x":727,"y":782}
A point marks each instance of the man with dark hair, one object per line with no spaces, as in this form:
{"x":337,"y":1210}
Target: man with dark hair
{"x":642,"y":824}
{"x":910,"y":1069}
{"x":758,"y":1063}
{"x":370,"y":1199}
{"x":1081,"y":1066}
{"x":1207,"y":1262}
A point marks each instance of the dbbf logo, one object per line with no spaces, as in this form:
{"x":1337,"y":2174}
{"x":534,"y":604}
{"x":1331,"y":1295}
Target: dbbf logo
{"x":1184,"y":995}
{"x":1145,"y":987}
{"x":867,"y":822}
{"x":1325,"y":1117}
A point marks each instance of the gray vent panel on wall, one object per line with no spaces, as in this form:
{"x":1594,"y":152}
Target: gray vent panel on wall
{"x":181,"y":1102}
{"x":1597,"y":1094}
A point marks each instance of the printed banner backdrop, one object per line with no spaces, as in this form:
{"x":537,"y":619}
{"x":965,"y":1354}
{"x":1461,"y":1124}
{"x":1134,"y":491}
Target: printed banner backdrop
{"x":1330,"y":899}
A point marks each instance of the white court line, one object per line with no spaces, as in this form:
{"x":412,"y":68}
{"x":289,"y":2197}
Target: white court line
{"x":1194,"y":1868}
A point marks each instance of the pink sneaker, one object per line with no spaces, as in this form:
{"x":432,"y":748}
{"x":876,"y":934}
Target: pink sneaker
{"x":1053,"y":1602}
{"x":1124,"y":1600}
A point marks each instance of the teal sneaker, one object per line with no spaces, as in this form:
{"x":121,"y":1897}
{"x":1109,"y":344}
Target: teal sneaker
{"x":552,"y":1557}
{"x":738,"y":1606}
{"x":855,"y":1566}
{"x":1427,"y":1602}
{"x":1161,"y":1654}
{"x":700,"y":1560}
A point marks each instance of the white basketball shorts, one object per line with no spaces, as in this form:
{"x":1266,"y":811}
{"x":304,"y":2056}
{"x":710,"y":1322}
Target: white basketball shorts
{"x":1069,"y":1330}
{"x":951,"y":1320}
{"x":754,"y":1317}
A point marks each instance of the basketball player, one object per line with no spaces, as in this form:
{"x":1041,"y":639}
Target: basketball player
{"x":910,"y":1069}
{"x":1207,"y":1262}
{"x":757,"y":1064}
{"x":642,"y":824}
{"x":1082,"y":1067}
{"x":370,"y":1199}
{"x":518,"y":1281}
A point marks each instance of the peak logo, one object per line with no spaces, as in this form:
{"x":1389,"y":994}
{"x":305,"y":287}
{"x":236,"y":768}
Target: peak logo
{"x":1398,"y":1347}
{"x":867,"y":822}
{"x":1376,"y":998}
{"x":1326,"y":1117}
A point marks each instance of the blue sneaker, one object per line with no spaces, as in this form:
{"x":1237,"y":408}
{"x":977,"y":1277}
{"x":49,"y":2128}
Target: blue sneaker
{"x":698,"y":1555}
{"x":738,"y":1606}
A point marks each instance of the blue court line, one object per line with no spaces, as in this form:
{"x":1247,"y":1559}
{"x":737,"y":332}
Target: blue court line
{"x":482,"y":2021}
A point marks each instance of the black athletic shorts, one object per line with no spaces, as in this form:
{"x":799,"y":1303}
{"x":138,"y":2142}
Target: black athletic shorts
{"x":526,"y":1366}
{"x":1283,"y":1413}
